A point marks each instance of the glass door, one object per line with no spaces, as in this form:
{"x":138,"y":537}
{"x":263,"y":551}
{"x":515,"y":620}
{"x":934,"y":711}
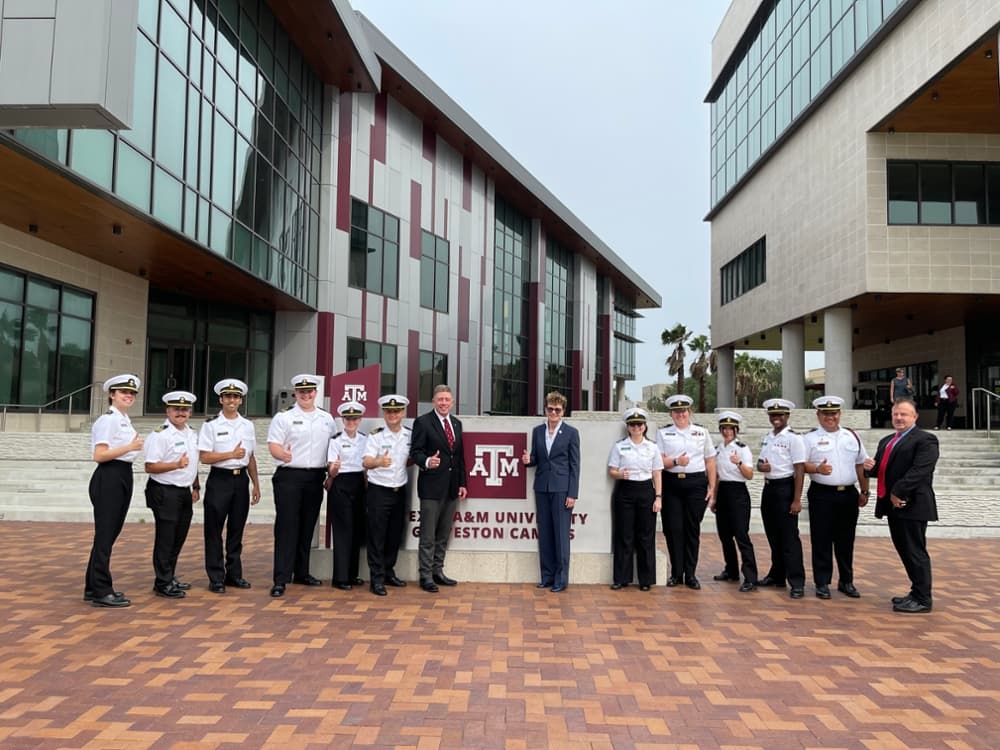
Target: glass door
{"x":168,"y":367}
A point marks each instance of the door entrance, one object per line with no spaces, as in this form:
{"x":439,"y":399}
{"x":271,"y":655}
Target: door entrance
{"x":169,"y":367}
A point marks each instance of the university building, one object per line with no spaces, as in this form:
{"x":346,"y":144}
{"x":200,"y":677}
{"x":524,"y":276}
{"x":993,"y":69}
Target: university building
{"x":259,"y":189}
{"x":855,"y":200}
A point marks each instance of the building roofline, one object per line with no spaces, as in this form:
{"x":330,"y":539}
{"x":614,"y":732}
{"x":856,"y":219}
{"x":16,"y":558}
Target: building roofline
{"x":359,"y":40}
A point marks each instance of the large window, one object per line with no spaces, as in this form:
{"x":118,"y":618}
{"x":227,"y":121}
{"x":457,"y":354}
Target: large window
{"x":744,"y":272}
{"x":558,"y":319}
{"x":434,"y":252}
{"x":793,"y":52}
{"x":433,"y":372}
{"x":625,"y":341}
{"x":46,"y":340}
{"x":225,"y":143}
{"x":364,"y":353}
{"x":374,"y":261}
{"x":931,"y":192}
{"x":511,"y":275}
{"x":602,"y":375}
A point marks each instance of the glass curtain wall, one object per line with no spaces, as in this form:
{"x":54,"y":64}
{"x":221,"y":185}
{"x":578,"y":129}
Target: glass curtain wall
{"x":559,"y":283}
{"x":511,"y":276}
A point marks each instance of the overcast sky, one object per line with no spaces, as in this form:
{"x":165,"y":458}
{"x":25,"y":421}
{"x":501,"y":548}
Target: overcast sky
{"x":603,"y":103}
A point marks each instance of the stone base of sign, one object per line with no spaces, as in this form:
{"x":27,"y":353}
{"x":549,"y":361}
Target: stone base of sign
{"x":492,"y":567}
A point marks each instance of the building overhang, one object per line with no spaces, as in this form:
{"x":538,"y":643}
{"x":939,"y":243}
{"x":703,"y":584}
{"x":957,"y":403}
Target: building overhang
{"x":56,"y":205}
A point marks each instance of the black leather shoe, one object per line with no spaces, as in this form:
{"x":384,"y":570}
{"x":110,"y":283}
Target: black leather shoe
{"x":747,"y":586}
{"x":693,"y":583}
{"x":543,"y":585}
{"x":429,"y":586}
{"x":797,"y":593}
{"x":238,"y":583}
{"x":378,"y":589}
{"x":342,"y":586}
{"x":911,"y":606}
{"x":217,"y":588}
{"x":823,"y":592}
{"x":644,"y":587}
{"x":673,"y":581}
{"x":358,"y":581}
{"x":394,"y":581}
{"x":182,"y":585}
{"x":277,"y":590}
{"x":901,"y":599}
{"x":442,"y":580}
{"x":724,"y":576}
{"x":169,"y":592}
{"x":307,"y":580}
{"x":616,"y":586}
{"x":110,"y":600}
{"x":849,"y":590}
{"x":558,"y":587}
{"x":768,"y":581}
{"x":88,"y":596}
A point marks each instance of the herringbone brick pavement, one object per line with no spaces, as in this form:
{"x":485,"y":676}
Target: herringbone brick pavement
{"x":490,"y":666}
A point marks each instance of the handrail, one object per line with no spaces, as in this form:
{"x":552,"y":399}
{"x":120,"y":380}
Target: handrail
{"x":69,"y":409}
{"x":989,"y":403}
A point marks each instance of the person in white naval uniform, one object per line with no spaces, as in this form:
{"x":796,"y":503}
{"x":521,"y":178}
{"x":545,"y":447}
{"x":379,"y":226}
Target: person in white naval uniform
{"x":731,"y":504}
{"x":345,"y":509}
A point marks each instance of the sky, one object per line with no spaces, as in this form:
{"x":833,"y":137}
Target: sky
{"x":604,"y":104}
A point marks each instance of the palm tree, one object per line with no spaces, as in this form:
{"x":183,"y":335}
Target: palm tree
{"x":676,"y":337}
{"x":701,"y":367}
{"x":751,"y":378}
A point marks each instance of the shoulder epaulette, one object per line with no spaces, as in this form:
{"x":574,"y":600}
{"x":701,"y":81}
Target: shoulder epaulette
{"x":211,"y":418}
{"x":338,"y":434}
{"x":362,"y":434}
{"x":161,"y":428}
{"x":740,"y":444}
{"x":407,"y":428}
{"x":814,"y":428}
{"x":376,"y":431}
{"x":282,"y":411}
{"x":110,"y":410}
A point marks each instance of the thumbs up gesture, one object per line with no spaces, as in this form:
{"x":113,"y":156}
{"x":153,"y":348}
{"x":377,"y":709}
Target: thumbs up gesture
{"x":683,"y":459}
{"x":183,"y":461}
{"x":239,"y":451}
{"x":824,"y":468}
{"x":384,"y":460}
{"x":434,"y":461}
{"x":734,"y":457}
{"x":525,"y":457}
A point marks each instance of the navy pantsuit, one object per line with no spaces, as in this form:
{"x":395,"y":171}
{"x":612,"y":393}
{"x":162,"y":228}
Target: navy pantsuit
{"x":557,"y":477}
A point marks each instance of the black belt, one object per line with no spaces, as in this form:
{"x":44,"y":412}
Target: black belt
{"x":688,"y":475}
{"x":297,"y":468}
{"x":833,"y":487}
{"x":779,"y":479}
{"x":387,"y":489}
{"x":227,"y":472}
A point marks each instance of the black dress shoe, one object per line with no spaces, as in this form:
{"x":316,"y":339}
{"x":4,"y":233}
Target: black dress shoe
{"x":442,"y":580}
{"x":823,"y":591}
{"x":911,"y":606}
{"x":110,"y":600}
{"x":693,"y":583}
{"x":182,"y":585}
{"x":644,"y":587}
{"x":307,"y":580}
{"x":673,"y":581}
{"x":169,"y":592}
{"x":358,"y":581}
{"x":378,"y":589}
{"x":429,"y":586}
{"x":616,"y":586}
{"x":768,"y":581}
{"x":217,"y":588}
{"x":747,"y":586}
{"x":797,"y":593}
{"x":849,"y":590}
{"x":394,"y":581}
{"x":543,"y":585}
{"x":724,"y":576}
{"x":342,"y":586}
{"x":558,"y":587}
{"x":901,"y":599}
{"x":239,"y":583}
{"x":277,"y":590}
{"x":88,"y":596}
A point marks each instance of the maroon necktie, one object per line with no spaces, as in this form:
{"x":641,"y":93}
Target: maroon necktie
{"x":884,"y":462}
{"x":448,"y":433}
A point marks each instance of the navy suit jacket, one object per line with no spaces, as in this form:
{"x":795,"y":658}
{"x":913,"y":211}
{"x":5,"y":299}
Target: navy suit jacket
{"x":443,"y":482}
{"x":558,"y":470}
{"x":908,"y":475}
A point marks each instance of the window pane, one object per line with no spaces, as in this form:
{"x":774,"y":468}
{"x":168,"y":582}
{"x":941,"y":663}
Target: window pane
{"x":935,"y":193}
{"x":441,"y":287}
{"x":38,"y":364}
{"x":970,"y":194}
{"x":11,"y":286}
{"x":170,"y":118}
{"x":49,"y":143}
{"x":222,"y":164}
{"x":10,"y":349}
{"x":77,"y":303}
{"x":91,"y":155}
{"x":902,"y":191}
{"x":993,"y":191}
{"x":135,"y":176}
{"x":141,"y":133}
{"x":74,"y":359}
{"x":43,"y":295}
{"x":390,"y":269}
{"x":168,"y":196}
{"x":173,"y":35}
{"x":426,"y":282}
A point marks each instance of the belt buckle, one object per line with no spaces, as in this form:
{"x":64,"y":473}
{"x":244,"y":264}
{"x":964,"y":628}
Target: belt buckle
{"x":841,"y":487}
{"x":237,"y":472}
{"x":682,"y":476}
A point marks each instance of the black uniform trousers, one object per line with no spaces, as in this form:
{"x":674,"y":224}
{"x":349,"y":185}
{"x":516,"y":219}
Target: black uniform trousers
{"x":298,"y":497}
{"x":833,"y":521}
{"x":682,"y":512}
{"x":386,"y":513}
{"x":909,"y":537}
{"x":782,"y":530}
{"x":633,"y":531}
{"x":732,"y":521}
{"x":226,"y":503}
{"x":172,"y":510}
{"x":346,"y":511}
{"x":110,"y":494}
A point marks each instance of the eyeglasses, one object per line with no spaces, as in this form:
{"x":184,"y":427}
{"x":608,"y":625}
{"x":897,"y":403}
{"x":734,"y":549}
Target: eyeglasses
{"x":554,"y":409}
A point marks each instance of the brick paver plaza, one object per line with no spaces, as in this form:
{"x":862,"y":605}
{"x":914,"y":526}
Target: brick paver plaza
{"x":487,"y":665}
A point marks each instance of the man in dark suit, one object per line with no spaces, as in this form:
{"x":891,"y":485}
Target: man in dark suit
{"x":438,"y":451}
{"x":555,"y":452}
{"x":904,"y":465}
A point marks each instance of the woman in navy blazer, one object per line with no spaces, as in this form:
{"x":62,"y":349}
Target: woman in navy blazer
{"x":555,"y":454}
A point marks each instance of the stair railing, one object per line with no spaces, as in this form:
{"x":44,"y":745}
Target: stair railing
{"x":989,"y":397}
{"x":4,"y":408}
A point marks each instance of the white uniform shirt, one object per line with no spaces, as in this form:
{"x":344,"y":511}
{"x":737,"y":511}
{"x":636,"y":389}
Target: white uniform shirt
{"x":398,"y":444}
{"x":782,"y":451}
{"x":168,"y":444}
{"x":842,"y":450}
{"x":694,"y":440}
{"x":350,"y":451}
{"x":725,"y":468}
{"x":641,"y":460}
{"x":114,"y":430}
{"x":306,"y":433}
{"x":221,"y":435}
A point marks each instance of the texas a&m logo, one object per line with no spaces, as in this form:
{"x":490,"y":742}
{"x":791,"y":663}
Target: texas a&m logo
{"x":493,"y":461}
